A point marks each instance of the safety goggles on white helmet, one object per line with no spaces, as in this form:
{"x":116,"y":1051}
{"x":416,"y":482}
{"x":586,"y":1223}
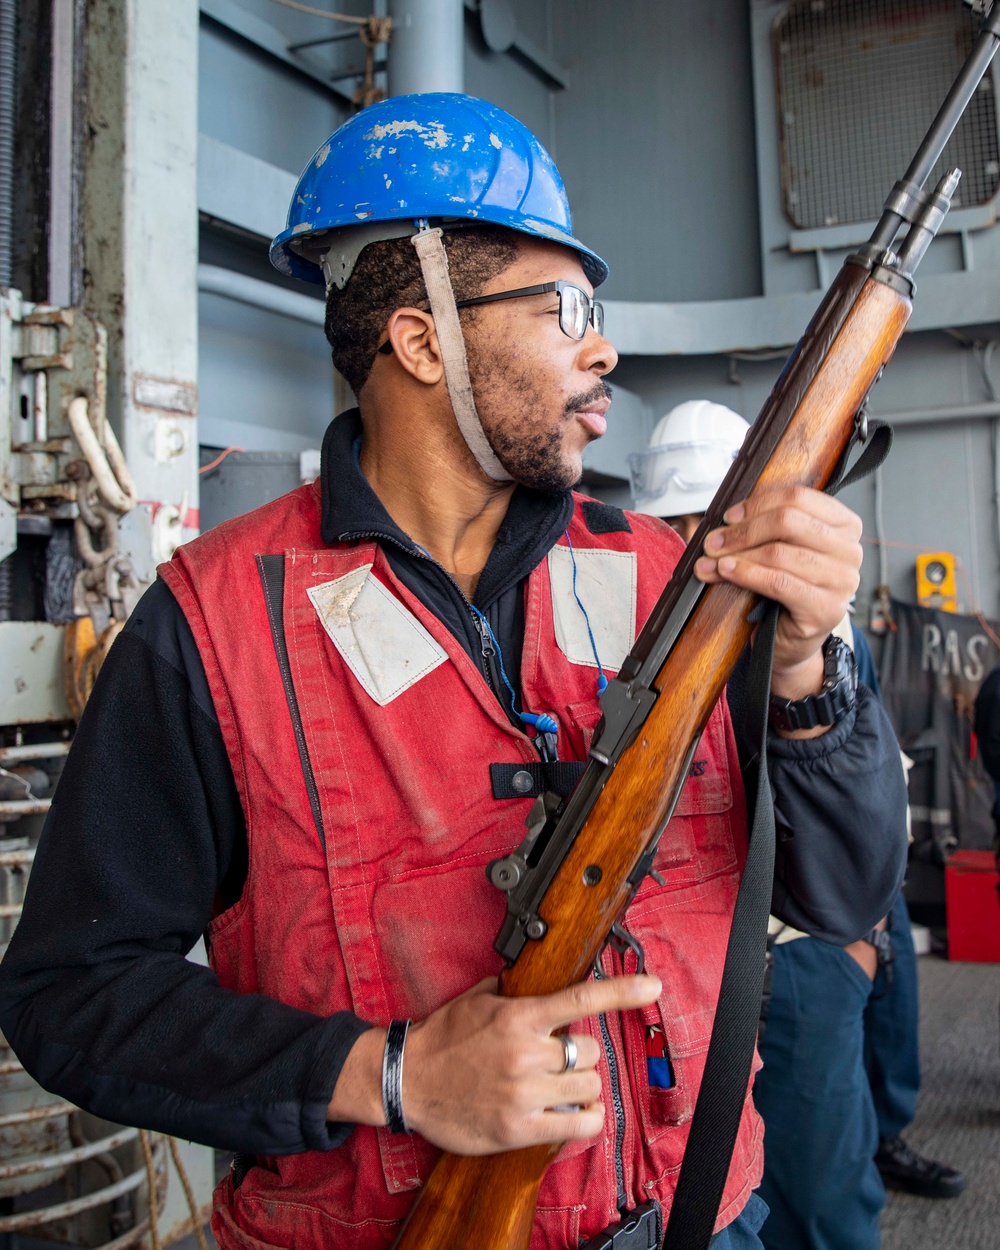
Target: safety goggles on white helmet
{"x":577,"y":309}
{"x":693,"y":466}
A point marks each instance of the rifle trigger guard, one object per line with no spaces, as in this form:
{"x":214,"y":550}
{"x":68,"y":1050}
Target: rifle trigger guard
{"x":620,"y":940}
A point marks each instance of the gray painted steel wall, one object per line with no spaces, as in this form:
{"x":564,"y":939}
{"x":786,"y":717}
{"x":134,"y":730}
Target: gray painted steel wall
{"x":655,"y":141}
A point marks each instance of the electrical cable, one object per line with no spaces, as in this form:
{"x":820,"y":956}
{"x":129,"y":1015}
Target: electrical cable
{"x":219,"y":459}
{"x":976,"y":611}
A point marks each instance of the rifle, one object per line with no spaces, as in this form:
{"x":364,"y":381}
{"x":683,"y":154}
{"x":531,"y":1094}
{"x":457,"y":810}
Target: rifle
{"x":573,"y":876}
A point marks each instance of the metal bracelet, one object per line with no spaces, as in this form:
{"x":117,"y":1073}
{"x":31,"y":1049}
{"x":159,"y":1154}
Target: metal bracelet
{"x":392,"y":1077}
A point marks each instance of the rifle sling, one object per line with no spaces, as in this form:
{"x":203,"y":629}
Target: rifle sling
{"x":723,"y":1091}
{"x":724,"y":1084}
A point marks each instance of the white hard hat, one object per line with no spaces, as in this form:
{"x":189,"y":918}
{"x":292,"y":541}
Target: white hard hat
{"x":689,"y":453}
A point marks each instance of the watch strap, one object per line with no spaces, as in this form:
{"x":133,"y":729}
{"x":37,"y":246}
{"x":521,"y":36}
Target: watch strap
{"x":835,"y":700}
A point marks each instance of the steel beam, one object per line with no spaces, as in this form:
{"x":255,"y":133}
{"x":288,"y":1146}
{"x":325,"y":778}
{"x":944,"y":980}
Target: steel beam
{"x":242,"y":190}
{"x":720,"y":326}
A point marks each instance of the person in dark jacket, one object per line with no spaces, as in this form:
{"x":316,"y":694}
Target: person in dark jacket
{"x":841,"y":1071}
{"x":987,"y":727}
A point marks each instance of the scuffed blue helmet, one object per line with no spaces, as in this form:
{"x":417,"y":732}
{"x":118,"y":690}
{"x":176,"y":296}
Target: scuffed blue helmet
{"x":448,"y":158}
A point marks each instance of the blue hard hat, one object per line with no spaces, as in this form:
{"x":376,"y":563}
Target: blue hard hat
{"x":447,"y":157}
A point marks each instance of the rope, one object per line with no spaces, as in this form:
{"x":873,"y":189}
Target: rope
{"x":154,"y":1203}
{"x":175,"y":1154}
{"x":335,"y":17}
{"x":376,"y":30}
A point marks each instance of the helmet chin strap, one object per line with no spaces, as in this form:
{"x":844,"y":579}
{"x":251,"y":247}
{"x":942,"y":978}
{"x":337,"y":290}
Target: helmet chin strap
{"x":434,"y":264}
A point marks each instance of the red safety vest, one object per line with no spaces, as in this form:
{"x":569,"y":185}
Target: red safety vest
{"x":395,"y":916}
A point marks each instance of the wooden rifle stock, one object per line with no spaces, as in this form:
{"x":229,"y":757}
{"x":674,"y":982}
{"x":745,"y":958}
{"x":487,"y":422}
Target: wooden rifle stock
{"x":805,"y":428}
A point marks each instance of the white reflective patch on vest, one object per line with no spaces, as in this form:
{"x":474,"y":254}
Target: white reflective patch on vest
{"x":381,"y":641}
{"x":605,"y":584}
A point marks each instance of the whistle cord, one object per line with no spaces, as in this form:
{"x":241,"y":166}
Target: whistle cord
{"x":602,"y":681}
{"x":540,"y":721}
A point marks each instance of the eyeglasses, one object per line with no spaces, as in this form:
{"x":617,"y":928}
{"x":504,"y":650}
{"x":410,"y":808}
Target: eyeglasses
{"x":577,"y":309}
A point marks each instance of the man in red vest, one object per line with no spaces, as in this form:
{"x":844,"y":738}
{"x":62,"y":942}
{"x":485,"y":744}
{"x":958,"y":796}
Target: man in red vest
{"x":329,"y":716}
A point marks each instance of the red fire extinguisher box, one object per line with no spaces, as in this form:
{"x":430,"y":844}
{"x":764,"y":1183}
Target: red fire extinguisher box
{"x":970,"y":884}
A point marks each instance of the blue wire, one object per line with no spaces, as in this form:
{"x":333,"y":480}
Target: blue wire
{"x":602,"y":681}
{"x":542,"y":721}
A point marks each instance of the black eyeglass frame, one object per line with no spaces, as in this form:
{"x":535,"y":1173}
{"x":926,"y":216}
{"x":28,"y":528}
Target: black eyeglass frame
{"x":595,"y":315}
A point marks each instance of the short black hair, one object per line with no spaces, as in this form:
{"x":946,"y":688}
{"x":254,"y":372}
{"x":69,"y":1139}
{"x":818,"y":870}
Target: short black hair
{"x":387,"y":276}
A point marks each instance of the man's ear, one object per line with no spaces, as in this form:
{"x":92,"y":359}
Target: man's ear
{"x":415,"y":345}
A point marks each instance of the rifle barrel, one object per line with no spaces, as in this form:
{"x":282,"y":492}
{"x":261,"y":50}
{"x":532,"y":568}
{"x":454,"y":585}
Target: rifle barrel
{"x":943,"y":126}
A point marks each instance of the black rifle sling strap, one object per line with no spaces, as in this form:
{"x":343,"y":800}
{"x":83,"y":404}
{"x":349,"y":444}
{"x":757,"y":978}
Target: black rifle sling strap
{"x":724,"y":1084}
{"x":723,"y":1091}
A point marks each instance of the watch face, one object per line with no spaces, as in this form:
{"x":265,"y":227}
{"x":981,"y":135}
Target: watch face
{"x":840,"y":667}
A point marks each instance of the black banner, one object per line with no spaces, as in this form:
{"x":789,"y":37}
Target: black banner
{"x":931,"y":667}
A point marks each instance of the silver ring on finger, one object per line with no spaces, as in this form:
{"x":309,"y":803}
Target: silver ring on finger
{"x":570,"y":1052}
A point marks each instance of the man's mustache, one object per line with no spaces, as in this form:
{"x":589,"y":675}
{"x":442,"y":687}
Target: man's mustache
{"x":580,"y":403}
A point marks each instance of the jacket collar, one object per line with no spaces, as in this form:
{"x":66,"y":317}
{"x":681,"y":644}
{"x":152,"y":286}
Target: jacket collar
{"x":352,"y":511}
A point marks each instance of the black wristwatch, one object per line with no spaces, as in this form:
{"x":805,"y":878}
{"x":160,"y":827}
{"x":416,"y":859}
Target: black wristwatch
{"x":840,"y":688}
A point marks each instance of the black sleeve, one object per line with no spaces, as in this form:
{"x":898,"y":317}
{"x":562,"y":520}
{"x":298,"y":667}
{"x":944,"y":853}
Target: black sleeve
{"x":840,"y":813}
{"x":96,"y":996}
{"x":987,"y":723}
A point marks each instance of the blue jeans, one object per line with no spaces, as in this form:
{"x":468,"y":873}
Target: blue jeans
{"x":892,"y":1057}
{"x":741,"y":1234}
{"x":821,"y":1133}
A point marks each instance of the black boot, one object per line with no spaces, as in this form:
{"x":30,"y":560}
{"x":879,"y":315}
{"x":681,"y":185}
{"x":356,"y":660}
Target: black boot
{"x":902,"y":1168}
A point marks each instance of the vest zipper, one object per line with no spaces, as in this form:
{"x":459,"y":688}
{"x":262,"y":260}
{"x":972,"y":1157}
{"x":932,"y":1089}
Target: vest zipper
{"x":489,"y":655}
{"x":617,"y":1101}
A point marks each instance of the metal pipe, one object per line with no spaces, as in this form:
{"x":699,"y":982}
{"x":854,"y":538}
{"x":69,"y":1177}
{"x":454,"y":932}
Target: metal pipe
{"x":8,"y":70}
{"x":128,"y":1238}
{"x":16,"y":859}
{"x":33,"y":751}
{"x":948,"y":116}
{"x":943,"y":412}
{"x":13,"y":809}
{"x":427,"y":50}
{"x":32,"y":1115}
{"x":64,"y":1210}
{"x":215,"y":280}
{"x":44,"y":1163}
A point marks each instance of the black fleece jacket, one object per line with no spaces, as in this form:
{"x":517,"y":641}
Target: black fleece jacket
{"x":146,"y":841}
